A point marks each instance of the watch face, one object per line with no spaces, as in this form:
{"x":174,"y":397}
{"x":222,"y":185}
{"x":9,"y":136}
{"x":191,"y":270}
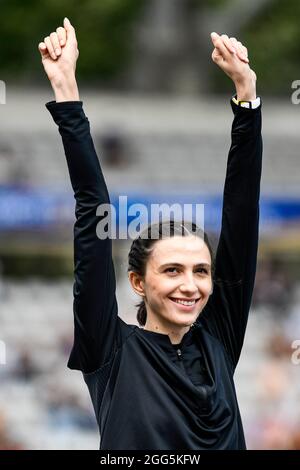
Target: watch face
{"x":247,"y":104}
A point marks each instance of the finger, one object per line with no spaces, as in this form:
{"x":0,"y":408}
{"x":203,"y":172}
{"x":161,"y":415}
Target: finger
{"x":55,"y":43}
{"x":242,"y":51}
{"x":217,"y":57}
{"x":43,"y":50}
{"x":228,"y":43}
{"x":48,"y":43}
{"x":216,"y":54}
{"x":69,"y":29}
{"x":62,"y":35}
{"x":219,"y":45}
{"x":243,"y":47}
{"x":234,"y":42}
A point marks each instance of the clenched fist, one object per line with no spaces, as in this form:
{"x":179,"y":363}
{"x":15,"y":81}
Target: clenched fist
{"x":59,"y":52}
{"x":232,"y":57}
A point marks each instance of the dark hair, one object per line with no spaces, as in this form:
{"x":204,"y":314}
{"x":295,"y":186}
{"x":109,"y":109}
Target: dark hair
{"x":142,"y":247}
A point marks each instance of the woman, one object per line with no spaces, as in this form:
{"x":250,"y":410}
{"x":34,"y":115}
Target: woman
{"x":168,"y":385}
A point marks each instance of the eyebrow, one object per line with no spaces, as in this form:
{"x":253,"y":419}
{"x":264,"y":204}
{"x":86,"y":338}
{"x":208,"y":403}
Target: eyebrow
{"x":202,"y":265}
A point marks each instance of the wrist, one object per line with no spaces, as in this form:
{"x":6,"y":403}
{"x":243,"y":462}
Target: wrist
{"x":65,"y":89}
{"x":246,"y":90}
{"x":246,"y":94}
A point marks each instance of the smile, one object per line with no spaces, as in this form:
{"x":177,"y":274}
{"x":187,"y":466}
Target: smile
{"x":185,"y":303}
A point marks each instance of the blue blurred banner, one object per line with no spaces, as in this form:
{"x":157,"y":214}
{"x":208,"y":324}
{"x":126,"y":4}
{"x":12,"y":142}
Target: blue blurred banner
{"x":28,"y":208}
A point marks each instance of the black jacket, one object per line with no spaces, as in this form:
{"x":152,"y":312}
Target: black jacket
{"x":145,"y":394}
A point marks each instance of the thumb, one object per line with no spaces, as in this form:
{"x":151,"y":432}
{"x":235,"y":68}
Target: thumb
{"x":214,"y":38}
{"x":217,"y":56}
{"x":43,"y":50}
{"x":69,"y":29}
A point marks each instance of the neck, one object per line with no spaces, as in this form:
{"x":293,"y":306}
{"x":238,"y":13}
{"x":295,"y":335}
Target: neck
{"x":175,"y":332}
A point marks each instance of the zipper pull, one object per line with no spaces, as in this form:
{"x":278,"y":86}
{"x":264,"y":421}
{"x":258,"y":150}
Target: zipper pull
{"x":179,"y":353}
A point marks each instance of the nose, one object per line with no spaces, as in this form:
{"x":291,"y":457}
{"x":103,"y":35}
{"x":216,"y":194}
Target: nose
{"x":189,"y":286}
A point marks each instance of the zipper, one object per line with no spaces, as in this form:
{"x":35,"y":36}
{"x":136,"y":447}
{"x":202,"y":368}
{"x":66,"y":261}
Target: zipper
{"x":179,"y":355}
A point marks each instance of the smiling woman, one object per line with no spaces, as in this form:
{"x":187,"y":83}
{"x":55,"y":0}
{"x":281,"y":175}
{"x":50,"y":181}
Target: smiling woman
{"x":162,"y":269}
{"x":169,"y":385}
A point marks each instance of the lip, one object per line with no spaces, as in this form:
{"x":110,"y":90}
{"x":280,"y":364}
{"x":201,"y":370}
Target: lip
{"x":184,"y":308}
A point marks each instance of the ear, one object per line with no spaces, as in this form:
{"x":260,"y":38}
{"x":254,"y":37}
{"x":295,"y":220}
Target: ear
{"x":137,"y":283}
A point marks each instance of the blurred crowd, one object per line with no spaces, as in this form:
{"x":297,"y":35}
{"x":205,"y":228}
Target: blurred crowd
{"x":43,"y":405}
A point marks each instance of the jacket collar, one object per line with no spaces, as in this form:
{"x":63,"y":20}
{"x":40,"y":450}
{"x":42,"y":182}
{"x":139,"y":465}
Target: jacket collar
{"x":163,"y":339}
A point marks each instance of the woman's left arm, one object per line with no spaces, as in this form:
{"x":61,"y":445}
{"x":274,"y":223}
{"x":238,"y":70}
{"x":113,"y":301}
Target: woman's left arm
{"x":226,"y":313}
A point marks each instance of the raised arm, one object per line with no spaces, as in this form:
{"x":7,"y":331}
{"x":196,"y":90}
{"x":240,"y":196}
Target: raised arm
{"x":226,"y":313}
{"x":95,"y":306}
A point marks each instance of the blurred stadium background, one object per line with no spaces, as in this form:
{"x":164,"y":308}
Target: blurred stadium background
{"x":160,"y":117}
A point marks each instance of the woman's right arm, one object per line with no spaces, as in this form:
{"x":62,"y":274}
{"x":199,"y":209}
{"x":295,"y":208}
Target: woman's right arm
{"x":95,"y":306}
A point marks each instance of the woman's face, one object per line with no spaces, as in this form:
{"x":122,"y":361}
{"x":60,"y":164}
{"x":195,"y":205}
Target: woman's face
{"x":177,"y":282}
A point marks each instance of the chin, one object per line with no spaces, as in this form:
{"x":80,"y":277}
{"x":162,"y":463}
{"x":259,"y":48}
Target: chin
{"x":183,"y":320}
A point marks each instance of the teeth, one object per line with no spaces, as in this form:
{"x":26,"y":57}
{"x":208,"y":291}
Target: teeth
{"x":185,"y":302}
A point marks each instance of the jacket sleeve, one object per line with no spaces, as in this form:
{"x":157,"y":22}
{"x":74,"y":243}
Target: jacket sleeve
{"x":226,"y":313}
{"x":95,"y":307}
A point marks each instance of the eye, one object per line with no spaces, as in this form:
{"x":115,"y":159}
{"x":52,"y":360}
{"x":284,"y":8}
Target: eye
{"x":202,"y":270}
{"x":171,"y":270}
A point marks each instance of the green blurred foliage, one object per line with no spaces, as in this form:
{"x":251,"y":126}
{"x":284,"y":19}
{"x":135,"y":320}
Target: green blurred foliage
{"x":104,"y":29}
{"x":210,"y":3}
{"x":273,"y":42}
